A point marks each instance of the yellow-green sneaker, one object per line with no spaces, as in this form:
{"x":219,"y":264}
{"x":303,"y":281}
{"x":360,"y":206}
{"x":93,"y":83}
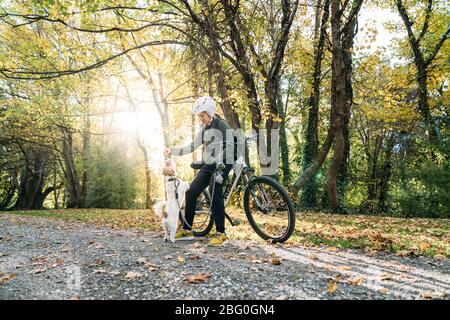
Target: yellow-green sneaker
{"x":219,"y":239}
{"x":184,"y":235}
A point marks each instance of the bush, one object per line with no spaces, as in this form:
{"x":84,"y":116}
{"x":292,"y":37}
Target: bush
{"x":424,"y":192}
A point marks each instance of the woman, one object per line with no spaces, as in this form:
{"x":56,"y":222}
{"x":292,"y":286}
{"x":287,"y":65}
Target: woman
{"x":216,"y":136}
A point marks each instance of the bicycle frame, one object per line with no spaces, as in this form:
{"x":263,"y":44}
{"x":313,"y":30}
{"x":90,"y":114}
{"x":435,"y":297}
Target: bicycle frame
{"x":240,"y":169}
{"x":255,"y":189}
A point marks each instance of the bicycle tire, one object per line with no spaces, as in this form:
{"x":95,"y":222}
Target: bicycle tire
{"x":287,"y":200}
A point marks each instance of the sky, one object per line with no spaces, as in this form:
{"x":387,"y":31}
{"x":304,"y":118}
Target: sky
{"x":377,"y":17}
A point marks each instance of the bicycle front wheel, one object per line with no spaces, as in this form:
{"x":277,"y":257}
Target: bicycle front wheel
{"x":269,"y":209}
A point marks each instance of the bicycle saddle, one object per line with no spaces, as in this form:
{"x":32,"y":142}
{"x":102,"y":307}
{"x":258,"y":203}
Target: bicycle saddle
{"x":197,"y":165}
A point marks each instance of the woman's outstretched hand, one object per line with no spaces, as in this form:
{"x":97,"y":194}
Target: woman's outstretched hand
{"x":167,"y":151}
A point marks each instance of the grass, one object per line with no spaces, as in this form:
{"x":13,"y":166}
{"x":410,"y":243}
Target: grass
{"x":401,"y":236}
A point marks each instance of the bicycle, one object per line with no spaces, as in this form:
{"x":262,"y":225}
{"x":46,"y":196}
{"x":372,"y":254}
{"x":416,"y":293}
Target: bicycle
{"x":266,"y":203}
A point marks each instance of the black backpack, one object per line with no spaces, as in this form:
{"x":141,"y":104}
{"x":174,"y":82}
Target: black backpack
{"x":215,"y":125}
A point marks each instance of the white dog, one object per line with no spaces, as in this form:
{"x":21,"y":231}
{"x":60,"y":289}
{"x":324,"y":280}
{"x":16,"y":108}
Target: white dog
{"x":175,"y":195}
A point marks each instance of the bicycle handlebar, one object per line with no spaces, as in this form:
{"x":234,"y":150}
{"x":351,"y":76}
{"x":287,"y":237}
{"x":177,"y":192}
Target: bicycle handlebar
{"x":251,"y":137}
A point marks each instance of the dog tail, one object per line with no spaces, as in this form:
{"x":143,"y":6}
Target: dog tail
{"x":159,"y":208}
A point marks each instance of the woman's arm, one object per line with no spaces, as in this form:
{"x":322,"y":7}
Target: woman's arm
{"x":198,"y":140}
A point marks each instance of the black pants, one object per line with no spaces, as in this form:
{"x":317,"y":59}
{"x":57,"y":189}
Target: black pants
{"x":200,"y":182}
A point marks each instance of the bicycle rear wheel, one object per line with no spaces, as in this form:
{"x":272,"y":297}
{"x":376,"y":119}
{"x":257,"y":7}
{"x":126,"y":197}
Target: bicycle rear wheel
{"x":269,"y":209}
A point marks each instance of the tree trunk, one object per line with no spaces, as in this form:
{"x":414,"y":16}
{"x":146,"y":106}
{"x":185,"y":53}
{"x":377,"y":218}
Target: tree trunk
{"x":284,"y":148}
{"x":85,"y":153}
{"x":55,"y":192}
{"x":30,"y":193}
{"x":348,"y":34}
{"x":243,"y":63}
{"x":272,"y":83}
{"x":373,"y":172}
{"x":222,"y":88}
{"x":311,"y":146}
{"x":73,"y":184}
{"x":422,"y":97}
{"x":386,"y":172}
{"x":148,"y":180}
{"x":421,"y":63}
{"x":338,"y":103}
{"x":317,"y":164}
{"x":6,"y":201}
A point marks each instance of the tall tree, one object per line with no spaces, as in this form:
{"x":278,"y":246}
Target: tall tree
{"x":311,"y":146}
{"x":423,"y":60}
{"x":342,"y":33}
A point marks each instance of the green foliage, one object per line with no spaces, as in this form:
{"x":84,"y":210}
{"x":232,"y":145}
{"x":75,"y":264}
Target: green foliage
{"x":111,"y":179}
{"x":423,"y":192}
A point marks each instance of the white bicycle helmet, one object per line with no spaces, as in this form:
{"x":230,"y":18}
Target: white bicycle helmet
{"x":206,"y":104}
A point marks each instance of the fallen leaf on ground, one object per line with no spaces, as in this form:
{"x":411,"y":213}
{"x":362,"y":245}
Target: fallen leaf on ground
{"x":405,"y":253}
{"x":439,"y":257}
{"x":198,"y":278}
{"x":38,"y":261}
{"x":180,"y":259}
{"x":57,"y":263}
{"x":343,"y":268}
{"x":5,"y":279}
{"x":385,"y":277}
{"x":383,"y":290}
{"x":7,"y":238}
{"x":332,"y":249}
{"x":99,"y":261}
{"x":38,"y":270}
{"x":356,"y":281}
{"x":432,"y":295}
{"x":425,"y":245}
{"x":275,"y":261}
{"x":150,"y":266}
{"x":141,"y":260}
{"x":382,"y":242}
{"x":283,"y":297}
{"x":99,"y":271}
{"x":313,"y":257}
{"x":75,"y":298}
{"x":196,"y":245}
{"x":168,"y":257}
{"x":131,"y":275}
{"x":332,"y":286}
{"x":404,"y":268}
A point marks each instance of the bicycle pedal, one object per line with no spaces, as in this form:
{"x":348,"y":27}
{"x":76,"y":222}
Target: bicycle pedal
{"x":236,"y":222}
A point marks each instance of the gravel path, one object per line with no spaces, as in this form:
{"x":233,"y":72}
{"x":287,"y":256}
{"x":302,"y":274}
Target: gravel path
{"x":42,"y":258}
